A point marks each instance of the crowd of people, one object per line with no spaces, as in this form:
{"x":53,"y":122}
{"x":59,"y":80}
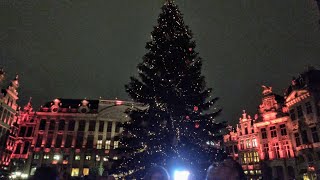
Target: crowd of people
{"x":226,"y":170}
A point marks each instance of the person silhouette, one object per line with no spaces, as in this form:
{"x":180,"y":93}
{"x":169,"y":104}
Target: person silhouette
{"x":47,"y":173}
{"x":229,"y":169}
{"x":157,"y":173}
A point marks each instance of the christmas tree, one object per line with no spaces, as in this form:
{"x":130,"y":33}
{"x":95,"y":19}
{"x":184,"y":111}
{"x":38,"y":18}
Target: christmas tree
{"x":178,"y":129}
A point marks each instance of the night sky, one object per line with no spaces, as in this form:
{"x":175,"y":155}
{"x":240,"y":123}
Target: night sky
{"x":81,"y":48}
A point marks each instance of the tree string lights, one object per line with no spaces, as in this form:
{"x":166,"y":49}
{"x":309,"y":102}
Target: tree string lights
{"x":176,"y":128}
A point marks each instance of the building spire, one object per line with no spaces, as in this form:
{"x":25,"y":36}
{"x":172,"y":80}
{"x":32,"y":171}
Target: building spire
{"x":30,"y":99}
{"x":28,"y":106}
{"x":266,"y":90}
{"x":15,"y":82}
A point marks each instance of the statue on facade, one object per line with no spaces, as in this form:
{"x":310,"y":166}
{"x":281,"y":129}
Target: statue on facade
{"x":266,"y":90}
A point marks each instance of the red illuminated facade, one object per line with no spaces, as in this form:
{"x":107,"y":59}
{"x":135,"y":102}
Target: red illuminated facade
{"x":282,"y":139}
{"x":78,"y":136}
{"x":8,"y":119}
{"x":24,"y":138}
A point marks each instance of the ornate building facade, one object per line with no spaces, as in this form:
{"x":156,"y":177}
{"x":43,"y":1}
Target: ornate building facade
{"x":78,"y":136}
{"x":8,"y":119}
{"x":282,"y":140}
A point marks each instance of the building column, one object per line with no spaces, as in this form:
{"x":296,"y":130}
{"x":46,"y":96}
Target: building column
{"x":45,"y":133}
{"x":65,"y":130}
{"x":27,"y":168}
{"x":270,"y":154}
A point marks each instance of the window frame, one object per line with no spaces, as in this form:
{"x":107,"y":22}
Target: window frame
{"x":273,"y":131}
{"x":283,"y":130}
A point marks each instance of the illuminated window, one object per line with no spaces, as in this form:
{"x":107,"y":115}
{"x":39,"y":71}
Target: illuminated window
{"x":299,"y":110}
{"x":99,"y":144}
{"x":36,"y":156}
{"x":256,"y":157}
{"x":293,"y":114}
{"x":108,"y":143}
{"x":56,"y":157}
{"x":33,"y":170}
{"x":264,"y":133}
{"x":283,"y":129}
{"x":85,"y":171}
{"x":315,"y":136}
{"x":46,"y":156}
{"x":297,"y":137}
{"x":254,"y":142}
{"x":88,"y":157}
{"x":251,"y":172}
{"x":286,"y":147}
{"x":77,"y":157}
{"x":276,"y":150}
{"x":248,"y":143}
{"x":115,"y":158}
{"x":97,"y":158}
{"x":245,"y":158}
{"x":250,"y":158}
{"x":106,"y":158}
{"x":273,"y":131}
{"x":246,"y":172}
{"x":306,"y":176}
{"x":115,"y":144}
{"x":241,"y":145}
{"x":308,"y":107}
{"x":75,"y":172}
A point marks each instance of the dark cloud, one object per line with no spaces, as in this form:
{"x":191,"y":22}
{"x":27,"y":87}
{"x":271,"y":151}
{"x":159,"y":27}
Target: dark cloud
{"x":77,"y":49}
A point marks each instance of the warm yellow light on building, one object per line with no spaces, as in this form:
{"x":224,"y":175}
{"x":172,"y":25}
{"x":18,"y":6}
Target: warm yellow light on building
{"x":85,"y":171}
{"x":75,"y":172}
